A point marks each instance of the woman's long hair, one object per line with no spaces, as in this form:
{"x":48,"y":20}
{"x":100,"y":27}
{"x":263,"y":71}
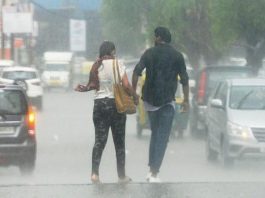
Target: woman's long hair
{"x":105,"y":52}
{"x":106,"y":49}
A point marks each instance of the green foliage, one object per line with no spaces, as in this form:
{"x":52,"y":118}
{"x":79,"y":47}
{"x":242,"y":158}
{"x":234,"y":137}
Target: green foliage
{"x":199,"y":27}
{"x":237,"y":19}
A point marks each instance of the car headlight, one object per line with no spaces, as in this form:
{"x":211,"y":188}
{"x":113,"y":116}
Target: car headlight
{"x":238,"y":130}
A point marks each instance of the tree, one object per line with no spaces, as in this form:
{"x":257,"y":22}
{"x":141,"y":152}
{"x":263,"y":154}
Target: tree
{"x":200,"y":28}
{"x":130,"y":24}
{"x":241,"y":20}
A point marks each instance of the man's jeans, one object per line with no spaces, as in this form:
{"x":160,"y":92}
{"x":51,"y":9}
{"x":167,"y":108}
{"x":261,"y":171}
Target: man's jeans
{"x":161,"y":123}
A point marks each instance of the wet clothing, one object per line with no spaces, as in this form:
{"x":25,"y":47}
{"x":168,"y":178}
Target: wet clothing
{"x":106,"y":78}
{"x":149,"y":107}
{"x":161,"y":122}
{"x":93,"y":83}
{"x":163,"y":64}
{"x":105,"y":116}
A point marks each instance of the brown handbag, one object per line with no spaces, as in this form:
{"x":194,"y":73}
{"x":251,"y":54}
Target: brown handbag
{"x":124,"y":102}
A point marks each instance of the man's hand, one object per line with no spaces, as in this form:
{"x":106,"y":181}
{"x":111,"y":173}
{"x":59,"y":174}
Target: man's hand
{"x":185,"y":106}
{"x":136,"y":99}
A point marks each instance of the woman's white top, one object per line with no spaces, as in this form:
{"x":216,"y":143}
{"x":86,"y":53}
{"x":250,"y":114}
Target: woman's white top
{"x":106,"y":78}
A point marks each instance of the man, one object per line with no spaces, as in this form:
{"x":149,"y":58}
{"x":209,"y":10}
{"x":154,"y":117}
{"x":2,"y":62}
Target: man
{"x":163,"y":64}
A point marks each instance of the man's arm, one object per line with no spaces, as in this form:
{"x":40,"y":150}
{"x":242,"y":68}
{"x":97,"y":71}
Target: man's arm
{"x":134,"y":81}
{"x":185,"y":104}
{"x":184,"y":79}
{"x":139,"y":69}
{"x":186,"y":92}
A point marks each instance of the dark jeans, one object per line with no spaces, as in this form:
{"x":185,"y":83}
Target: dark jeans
{"x":161,"y":123}
{"x":105,"y":116}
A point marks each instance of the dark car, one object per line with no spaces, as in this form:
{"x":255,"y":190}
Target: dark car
{"x":17,"y":129}
{"x":206,"y":79}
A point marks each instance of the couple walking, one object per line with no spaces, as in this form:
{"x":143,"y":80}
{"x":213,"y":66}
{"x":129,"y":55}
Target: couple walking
{"x":162,"y":64}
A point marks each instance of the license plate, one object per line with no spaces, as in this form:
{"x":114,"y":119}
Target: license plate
{"x":7,"y":130}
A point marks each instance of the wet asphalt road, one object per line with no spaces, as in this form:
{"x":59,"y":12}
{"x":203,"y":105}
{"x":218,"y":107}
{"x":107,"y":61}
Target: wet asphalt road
{"x":65,"y":136}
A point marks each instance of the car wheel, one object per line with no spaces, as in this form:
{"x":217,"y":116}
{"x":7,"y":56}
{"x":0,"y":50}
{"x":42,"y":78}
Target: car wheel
{"x":227,"y":161}
{"x":193,"y":126}
{"x":210,"y":153}
{"x":27,"y":165}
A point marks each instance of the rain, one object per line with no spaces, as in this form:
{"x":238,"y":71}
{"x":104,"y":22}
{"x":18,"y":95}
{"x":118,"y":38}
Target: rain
{"x":48,"y":49}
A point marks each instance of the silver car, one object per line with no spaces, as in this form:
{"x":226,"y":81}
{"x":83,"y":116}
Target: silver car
{"x":236,"y":120}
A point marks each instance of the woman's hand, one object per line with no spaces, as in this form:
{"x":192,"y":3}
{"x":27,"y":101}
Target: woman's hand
{"x":81,"y":88}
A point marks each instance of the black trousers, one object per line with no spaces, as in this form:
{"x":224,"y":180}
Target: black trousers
{"x":105,"y":116}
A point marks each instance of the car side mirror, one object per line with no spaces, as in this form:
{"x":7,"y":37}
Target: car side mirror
{"x":217,"y":103}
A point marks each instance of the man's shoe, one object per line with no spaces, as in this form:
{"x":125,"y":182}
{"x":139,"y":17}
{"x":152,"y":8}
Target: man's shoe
{"x":148,"y":176}
{"x":124,"y":180}
{"x":153,"y":179}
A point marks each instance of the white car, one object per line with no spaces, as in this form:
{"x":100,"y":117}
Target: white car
{"x":5,"y":63}
{"x":28,"y":78}
{"x":235,"y":120}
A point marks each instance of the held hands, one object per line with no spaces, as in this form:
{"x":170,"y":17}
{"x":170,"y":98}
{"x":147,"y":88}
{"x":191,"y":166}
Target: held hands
{"x":185,"y":106}
{"x":136,"y":99}
{"x":81,"y":88}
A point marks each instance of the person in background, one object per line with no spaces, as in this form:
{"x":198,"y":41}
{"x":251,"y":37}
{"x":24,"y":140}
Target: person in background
{"x":163,"y":64}
{"x":105,"y":115}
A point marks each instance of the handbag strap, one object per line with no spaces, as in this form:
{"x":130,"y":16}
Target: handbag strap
{"x":115,"y":67}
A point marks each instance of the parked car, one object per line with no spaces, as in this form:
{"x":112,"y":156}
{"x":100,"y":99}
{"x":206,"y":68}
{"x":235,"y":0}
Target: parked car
{"x":206,"y":80}
{"x":28,"y":78}
{"x":17,"y":129}
{"x":235,"y":120}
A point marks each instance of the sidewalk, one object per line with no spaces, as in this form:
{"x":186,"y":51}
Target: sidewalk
{"x":137,"y":190}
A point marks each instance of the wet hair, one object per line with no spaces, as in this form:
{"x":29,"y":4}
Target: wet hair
{"x":163,"y":33}
{"x":106,"y":48}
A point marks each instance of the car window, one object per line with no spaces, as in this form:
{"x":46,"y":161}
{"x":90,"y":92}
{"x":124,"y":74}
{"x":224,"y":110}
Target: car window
{"x":222,"y":93}
{"x":247,"y":97}
{"x":56,"y":67}
{"x":217,"y":75}
{"x":12,"y":102}
{"x":25,"y":75}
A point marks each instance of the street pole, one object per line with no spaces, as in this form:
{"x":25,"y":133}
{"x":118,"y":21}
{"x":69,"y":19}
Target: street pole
{"x":3,"y":2}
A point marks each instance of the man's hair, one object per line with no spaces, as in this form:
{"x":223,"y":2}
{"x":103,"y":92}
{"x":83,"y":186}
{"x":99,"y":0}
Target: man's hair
{"x":163,"y":33}
{"x":106,"y":48}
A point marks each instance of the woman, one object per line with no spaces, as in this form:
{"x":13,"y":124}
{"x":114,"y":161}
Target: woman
{"x":105,"y":114}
